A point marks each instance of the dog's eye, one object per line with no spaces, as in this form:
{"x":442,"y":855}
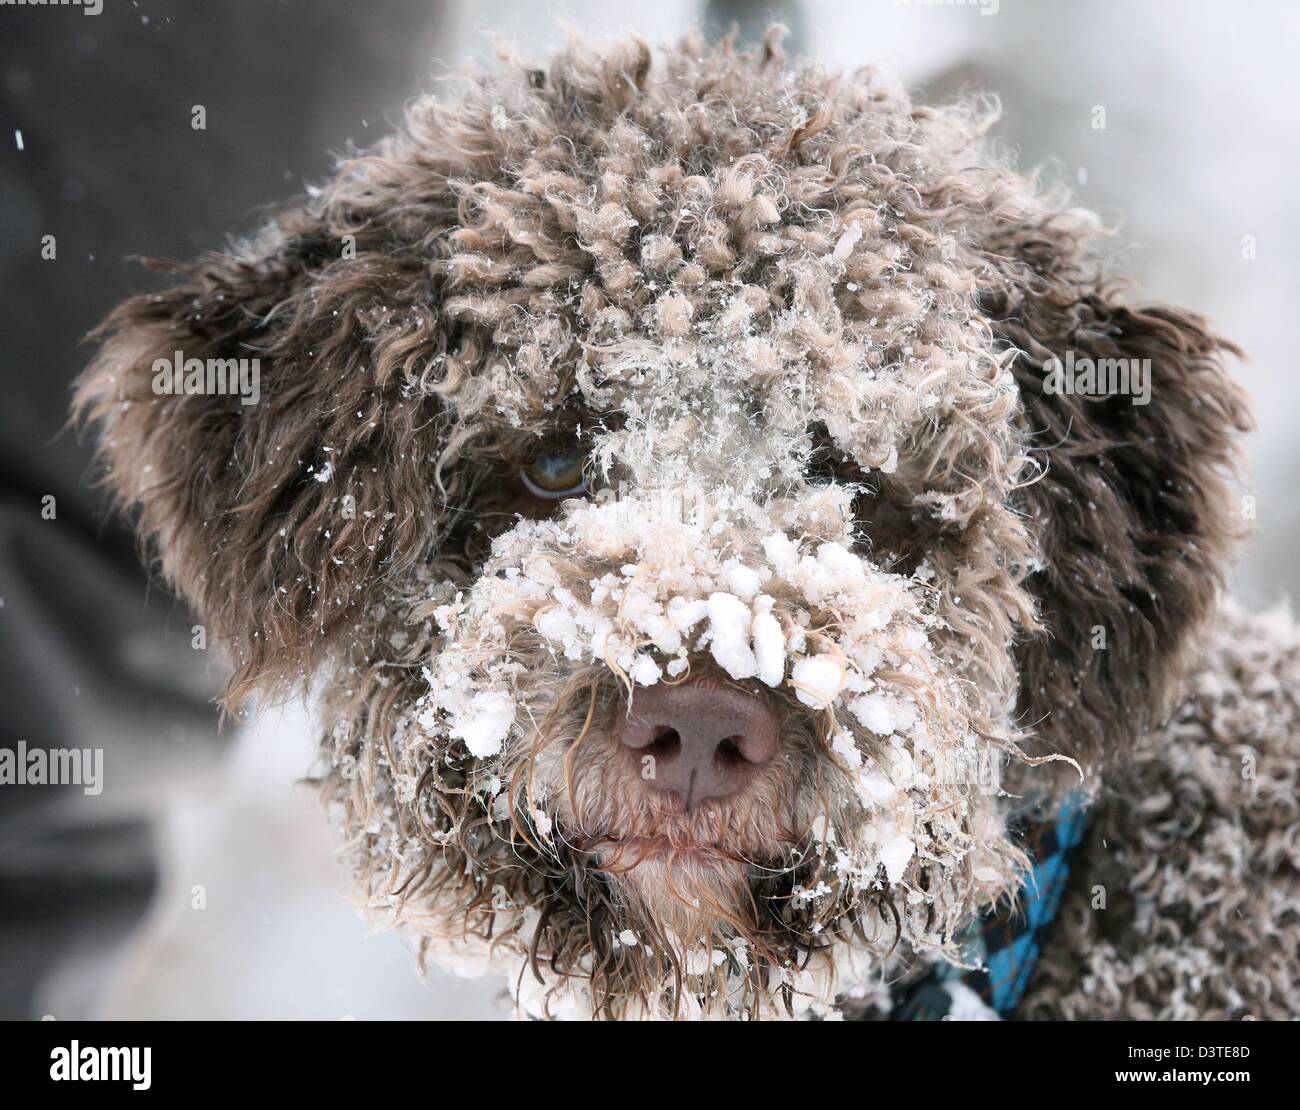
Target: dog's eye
{"x":556,"y":475}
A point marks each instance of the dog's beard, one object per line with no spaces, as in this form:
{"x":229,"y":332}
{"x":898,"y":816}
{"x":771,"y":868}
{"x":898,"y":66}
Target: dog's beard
{"x":693,"y":890}
{"x":615,"y":903}
{"x":706,"y":919}
{"x":706,"y":940}
{"x":705,"y":932}
{"x":596,"y":897}
{"x":522,"y":831}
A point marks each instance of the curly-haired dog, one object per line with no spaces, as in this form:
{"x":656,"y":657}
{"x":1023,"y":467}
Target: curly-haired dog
{"x":722,"y":500}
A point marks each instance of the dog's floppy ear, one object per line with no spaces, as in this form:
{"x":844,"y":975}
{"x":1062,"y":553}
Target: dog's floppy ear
{"x":1136,"y":512}
{"x":280,"y":519}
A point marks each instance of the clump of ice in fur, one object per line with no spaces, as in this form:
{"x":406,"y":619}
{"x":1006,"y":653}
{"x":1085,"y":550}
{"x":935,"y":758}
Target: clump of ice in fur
{"x":818,"y":680}
{"x":769,"y":648}
{"x":729,"y":635}
{"x":486,"y":724}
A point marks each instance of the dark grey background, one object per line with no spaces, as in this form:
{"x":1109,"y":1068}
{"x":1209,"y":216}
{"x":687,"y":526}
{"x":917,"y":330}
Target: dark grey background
{"x":110,"y":165}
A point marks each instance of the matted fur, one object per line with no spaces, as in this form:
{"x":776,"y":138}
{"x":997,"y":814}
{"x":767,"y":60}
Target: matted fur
{"x":799,"y":323}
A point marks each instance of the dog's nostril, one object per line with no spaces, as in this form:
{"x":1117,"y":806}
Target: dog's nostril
{"x":729,"y":752}
{"x":667,"y":742}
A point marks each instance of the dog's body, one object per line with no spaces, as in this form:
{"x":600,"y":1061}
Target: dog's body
{"x":1183,"y":900}
{"x":667,"y":469}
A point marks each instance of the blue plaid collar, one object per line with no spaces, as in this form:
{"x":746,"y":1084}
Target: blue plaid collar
{"x":1003,"y":945}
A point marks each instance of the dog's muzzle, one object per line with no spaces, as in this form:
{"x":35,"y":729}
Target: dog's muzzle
{"x":698,"y":741}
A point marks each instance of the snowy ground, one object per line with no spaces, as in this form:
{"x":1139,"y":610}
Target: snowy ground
{"x":276,"y":938}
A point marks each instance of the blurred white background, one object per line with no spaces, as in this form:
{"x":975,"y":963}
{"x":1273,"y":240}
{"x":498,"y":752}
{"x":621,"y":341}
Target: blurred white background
{"x":1200,"y":150}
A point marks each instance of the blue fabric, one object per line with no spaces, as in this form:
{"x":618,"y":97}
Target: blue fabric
{"x":1006,"y":941}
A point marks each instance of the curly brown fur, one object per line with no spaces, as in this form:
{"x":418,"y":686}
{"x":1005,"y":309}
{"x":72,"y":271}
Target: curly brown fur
{"x":799,"y":324}
{"x":1137,"y":511}
{"x":1186,"y":901}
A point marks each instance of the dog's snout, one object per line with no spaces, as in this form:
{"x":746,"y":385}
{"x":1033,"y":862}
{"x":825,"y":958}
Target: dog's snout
{"x":698,"y":741}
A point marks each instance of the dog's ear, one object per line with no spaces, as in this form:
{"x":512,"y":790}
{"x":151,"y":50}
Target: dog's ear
{"x":280,"y":519}
{"x":1136,"y":511}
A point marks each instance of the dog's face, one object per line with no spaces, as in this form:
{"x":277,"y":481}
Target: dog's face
{"x":663,"y":467}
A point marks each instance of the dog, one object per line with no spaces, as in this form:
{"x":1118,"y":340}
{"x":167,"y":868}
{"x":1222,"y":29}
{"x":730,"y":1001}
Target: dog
{"x":724,"y":507}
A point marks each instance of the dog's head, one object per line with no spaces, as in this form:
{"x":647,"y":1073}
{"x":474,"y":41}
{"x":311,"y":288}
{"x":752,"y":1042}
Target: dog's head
{"x":705,"y":487}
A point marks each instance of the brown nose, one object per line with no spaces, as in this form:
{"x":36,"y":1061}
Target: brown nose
{"x":698,"y":741}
